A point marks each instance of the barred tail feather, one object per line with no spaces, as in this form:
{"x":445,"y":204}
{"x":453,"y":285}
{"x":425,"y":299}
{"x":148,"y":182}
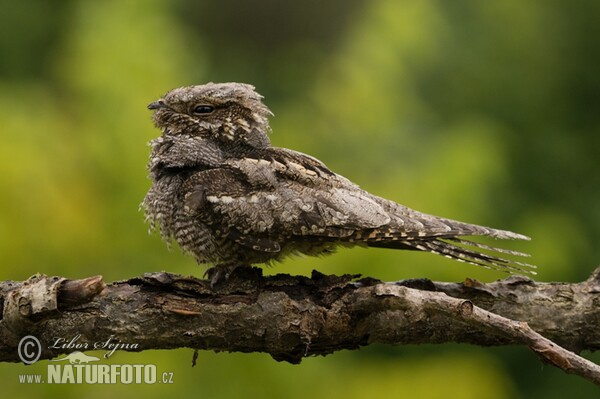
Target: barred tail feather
{"x":462,"y":254}
{"x":488,"y":247}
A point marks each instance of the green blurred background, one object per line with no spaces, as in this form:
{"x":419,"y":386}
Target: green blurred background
{"x":488,"y":112}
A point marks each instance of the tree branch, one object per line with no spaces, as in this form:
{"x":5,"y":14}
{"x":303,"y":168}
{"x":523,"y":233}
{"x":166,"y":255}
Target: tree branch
{"x":291,"y":317}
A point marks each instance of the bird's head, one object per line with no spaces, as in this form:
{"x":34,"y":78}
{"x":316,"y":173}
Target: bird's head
{"x":230,"y":113}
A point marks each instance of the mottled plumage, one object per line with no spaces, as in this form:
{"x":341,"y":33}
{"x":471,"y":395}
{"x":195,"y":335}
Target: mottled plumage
{"x":231,"y":199}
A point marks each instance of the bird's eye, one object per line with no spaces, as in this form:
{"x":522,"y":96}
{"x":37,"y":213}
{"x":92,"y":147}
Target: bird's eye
{"x":203,"y":109}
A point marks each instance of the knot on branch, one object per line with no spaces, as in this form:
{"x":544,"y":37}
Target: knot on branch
{"x":39,"y":296}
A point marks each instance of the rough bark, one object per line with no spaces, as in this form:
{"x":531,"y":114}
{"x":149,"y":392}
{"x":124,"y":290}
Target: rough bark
{"x":291,"y":317}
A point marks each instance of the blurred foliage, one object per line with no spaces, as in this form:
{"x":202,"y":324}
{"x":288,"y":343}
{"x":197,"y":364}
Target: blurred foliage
{"x":480,"y":111}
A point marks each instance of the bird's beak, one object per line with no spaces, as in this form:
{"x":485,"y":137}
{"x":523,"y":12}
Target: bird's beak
{"x":157,"y":105}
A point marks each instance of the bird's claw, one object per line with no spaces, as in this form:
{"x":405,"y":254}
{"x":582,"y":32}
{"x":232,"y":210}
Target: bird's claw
{"x":218,"y":274}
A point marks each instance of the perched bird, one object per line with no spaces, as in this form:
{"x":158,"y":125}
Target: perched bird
{"x":231,"y":199}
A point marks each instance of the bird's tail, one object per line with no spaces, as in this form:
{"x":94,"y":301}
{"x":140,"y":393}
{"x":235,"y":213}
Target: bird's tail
{"x":453,"y":245}
{"x":458,"y":249}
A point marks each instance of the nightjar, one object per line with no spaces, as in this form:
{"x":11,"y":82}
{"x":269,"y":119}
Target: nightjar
{"x":229,"y":198}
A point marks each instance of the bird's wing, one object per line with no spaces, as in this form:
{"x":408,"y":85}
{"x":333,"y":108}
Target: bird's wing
{"x":284,"y":192}
{"x":281,"y":194}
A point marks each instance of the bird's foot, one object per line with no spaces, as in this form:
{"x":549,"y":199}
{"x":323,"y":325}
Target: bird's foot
{"x":216,"y":275}
{"x":221,"y":273}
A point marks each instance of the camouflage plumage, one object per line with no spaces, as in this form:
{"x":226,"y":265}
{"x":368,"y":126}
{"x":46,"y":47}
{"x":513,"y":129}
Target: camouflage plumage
{"x":231,"y":199}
